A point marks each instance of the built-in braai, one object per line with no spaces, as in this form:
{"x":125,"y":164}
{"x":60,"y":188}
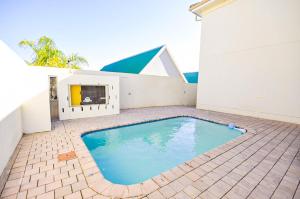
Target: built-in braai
{"x":88,"y":94}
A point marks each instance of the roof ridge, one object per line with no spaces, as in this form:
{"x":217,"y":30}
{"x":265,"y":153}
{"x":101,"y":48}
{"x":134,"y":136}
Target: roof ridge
{"x":144,"y":52}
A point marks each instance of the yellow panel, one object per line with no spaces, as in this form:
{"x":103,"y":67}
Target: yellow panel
{"x":75,"y":95}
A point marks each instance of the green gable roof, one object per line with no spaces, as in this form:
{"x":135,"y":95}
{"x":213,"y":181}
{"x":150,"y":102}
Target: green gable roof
{"x":191,"y":77}
{"x":134,"y":64}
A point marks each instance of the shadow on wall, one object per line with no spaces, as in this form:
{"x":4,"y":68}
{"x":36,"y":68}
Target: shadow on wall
{"x":10,"y":134}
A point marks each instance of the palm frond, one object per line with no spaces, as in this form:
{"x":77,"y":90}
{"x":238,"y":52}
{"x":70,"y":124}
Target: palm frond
{"x":47,"y":54}
{"x":46,"y":42}
{"x":26,"y":43}
{"x":76,"y":60}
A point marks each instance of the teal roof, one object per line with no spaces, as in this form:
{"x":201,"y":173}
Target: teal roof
{"x":191,"y":77}
{"x":134,"y":64}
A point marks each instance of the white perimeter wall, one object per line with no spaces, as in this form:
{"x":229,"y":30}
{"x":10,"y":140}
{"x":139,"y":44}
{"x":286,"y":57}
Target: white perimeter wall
{"x":10,"y":102}
{"x":36,"y":109}
{"x":138,"y":91}
{"x":10,"y":134}
{"x":134,"y":91}
{"x":147,"y":91}
{"x":250,"y":59}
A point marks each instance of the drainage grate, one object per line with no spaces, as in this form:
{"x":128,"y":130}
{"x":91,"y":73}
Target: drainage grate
{"x":66,"y":156}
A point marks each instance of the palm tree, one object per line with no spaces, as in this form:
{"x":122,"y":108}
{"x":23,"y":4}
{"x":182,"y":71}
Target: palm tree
{"x":74,"y":61}
{"x":45,"y":53}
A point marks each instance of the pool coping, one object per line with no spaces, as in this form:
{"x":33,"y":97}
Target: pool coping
{"x":157,"y":120}
{"x":97,"y":182}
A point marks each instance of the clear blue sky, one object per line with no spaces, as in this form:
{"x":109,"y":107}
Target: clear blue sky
{"x":104,"y":31}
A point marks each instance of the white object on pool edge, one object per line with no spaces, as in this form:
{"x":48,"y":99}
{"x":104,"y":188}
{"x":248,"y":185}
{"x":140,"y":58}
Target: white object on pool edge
{"x":231,"y":125}
{"x":239,"y":129}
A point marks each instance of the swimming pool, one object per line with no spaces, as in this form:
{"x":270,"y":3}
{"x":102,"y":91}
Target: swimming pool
{"x":132,"y":154}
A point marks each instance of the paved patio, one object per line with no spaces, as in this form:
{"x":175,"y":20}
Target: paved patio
{"x":263,"y":163}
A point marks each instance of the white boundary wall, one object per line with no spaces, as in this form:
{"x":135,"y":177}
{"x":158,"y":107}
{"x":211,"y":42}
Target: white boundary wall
{"x":250,"y":59}
{"x":132,"y":91}
{"x":11,"y":78}
{"x":10,"y":134}
{"x":147,"y":91}
{"x":36,"y":109}
{"x":138,"y":91}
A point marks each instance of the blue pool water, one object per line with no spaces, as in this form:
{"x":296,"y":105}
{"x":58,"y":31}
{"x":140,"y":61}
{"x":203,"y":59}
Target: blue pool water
{"x":132,"y":154}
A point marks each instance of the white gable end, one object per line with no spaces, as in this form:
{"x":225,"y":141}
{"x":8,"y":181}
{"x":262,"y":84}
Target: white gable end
{"x":169,"y":64}
{"x":155,"y":67}
{"x":162,"y":65}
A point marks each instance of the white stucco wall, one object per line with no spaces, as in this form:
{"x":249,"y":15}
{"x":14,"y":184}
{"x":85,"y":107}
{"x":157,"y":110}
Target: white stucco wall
{"x":11,"y":79}
{"x":25,"y":87}
{"x":36,"y":109}
{"x":68,"y":112}
{"x":10,"y":134}
{"x":167,"y":91}
{"x":249,"y":59}
{"x":147,"y":91}
{"x":151,"y":90}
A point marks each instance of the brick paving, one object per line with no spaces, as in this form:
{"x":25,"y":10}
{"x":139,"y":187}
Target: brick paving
{"x":263,"y":163}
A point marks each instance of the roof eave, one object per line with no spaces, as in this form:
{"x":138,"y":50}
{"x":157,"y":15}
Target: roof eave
{"x":205,"y":6}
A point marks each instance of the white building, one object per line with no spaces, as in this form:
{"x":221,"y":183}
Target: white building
{"x":250,"y":57}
